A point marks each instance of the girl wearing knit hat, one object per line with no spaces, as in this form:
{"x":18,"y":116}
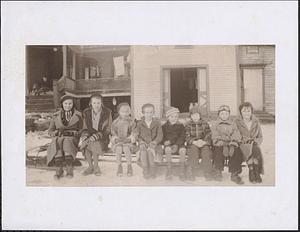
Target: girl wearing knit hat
{"x":226,"y":138}
{"x":173,"y":141}
{"x":64,"y":128}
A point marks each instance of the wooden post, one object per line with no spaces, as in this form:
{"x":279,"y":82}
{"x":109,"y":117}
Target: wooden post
{"x":56,"y":95}
{"x":74,"y":66}
{"x":65,"y":64}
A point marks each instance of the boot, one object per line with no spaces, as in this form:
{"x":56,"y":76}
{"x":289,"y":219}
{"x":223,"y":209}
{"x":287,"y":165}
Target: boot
{"x":97,"y":171}
{"x":218,"y":175}
{"x":120,"y":170}
{"x":88,"y":171}
{"x":236,"y":179}
{"x":129,"y":170}
{"x":257,"y":174}
{"x":189,"y":173}
{"x":251,"y":173}
{"x":169,"y":173}
{"x":59,"y":172}
{"x":69,"y":167}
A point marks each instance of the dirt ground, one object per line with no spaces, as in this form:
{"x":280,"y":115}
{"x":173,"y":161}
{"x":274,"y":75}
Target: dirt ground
{"x":42,"y":177}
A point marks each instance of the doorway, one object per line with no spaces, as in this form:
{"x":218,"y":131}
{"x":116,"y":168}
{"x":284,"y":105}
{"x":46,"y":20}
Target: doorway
{"x":252,"y":85}
{"x":183,"y":86}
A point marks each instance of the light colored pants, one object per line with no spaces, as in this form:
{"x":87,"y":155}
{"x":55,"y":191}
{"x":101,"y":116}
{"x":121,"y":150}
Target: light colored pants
{"x":119,"y":150}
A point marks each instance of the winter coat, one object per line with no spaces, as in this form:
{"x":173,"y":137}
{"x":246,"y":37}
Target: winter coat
{"x":253,"y":134}
{"x":225,"y":133}
{"x":57,"y":129}
{"x":122,"y":130}
{"x":103,"y":132}
{"x":147,"y":135}
{"x":174,"y":133}
{"x":195,"y":131}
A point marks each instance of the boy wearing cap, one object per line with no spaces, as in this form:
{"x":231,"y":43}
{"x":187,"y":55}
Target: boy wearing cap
{"x":123,"y":137}
{"x":97,"y":121}
{"x":198,"y":138}
{"x":226,"y":138}
{"x":149,"y":135}
{"x":64,"y":129}
{"x":173,"y":141}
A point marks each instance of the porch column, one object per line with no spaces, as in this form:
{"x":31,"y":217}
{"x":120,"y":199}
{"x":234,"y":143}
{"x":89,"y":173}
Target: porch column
{"x":65,"y":64}
{"x":74,"y":66}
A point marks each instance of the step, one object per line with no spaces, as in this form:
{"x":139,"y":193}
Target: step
{"x":39,"y":100}
{"x":40,"y":97}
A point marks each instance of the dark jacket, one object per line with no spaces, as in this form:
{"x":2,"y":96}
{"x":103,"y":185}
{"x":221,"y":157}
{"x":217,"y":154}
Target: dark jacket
{"x":148,"y":135}
{"x":174,"y":133}
{"x":104,"y":125}
{"x":195,"y":131}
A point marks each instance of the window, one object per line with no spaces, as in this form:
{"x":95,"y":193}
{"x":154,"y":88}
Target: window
{"x":252,"y":49}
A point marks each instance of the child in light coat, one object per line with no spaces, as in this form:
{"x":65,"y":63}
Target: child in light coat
{"x":123,"y":137}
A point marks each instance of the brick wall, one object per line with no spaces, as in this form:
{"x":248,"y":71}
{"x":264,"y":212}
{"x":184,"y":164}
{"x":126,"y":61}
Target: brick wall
{"x":148,"y":60}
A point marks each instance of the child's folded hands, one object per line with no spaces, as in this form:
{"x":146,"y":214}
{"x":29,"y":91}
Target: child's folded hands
{"x":199,"y":143}
{"x":167,"y":143}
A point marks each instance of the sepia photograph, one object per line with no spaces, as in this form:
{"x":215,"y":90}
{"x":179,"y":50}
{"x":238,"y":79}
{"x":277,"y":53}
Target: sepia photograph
{"x":126,"y":115}
{"x":158,"y":115}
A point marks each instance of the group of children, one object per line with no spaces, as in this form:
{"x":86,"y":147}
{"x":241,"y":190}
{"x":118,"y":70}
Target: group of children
{"x":226,"y":139}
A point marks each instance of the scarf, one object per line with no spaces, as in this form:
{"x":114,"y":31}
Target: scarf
{"x":66,"y":116}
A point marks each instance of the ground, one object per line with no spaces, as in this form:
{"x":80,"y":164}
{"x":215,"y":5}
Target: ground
{"x":43,"y":177}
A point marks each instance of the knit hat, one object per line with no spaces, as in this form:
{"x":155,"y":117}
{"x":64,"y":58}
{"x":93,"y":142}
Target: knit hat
{"x":172,"y":110}
{"x":66,"y":97}
{"x":223,"y":108}
{"x":195,"y":109}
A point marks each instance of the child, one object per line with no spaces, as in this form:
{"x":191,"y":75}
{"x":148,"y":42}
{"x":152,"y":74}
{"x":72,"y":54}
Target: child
{"x":249,"y":127}
{"x":64,"y":128}
{"x":173,"y":141}
{"x":198,"y":138}
{"x":225,"y":138}
{"x":35,"y":89}
{"x":122,"y":131}
{"x":95,"y":134}
{"x":149,"y":135}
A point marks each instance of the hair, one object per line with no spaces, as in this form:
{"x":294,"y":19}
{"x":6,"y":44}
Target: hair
{"x":245,"y":104}
{"x":97,"y":96}
{"x":147,"y":105}
{"x":123,"y":104}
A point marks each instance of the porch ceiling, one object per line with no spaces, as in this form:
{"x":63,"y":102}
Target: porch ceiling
{"x":83,"y":49}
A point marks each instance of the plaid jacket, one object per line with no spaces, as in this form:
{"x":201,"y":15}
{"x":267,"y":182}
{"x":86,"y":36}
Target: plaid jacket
{"x":199,"y":130}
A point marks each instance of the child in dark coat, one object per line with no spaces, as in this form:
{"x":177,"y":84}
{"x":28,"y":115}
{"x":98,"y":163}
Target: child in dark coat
{"x":97,"y":121}
{"x":149,"y":135}
{"x":123,"y":137}
{"x":226,"y":138}
{"x":198,"y":138}
{"x":65,"y":129}
{"x":173,"y":141}
{"x":249,"y":127}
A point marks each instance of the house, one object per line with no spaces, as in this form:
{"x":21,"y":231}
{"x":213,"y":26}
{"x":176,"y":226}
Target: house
{"x":176,"y":75}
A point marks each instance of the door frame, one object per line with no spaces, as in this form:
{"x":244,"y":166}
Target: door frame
{"x":253,"y":66}
{"x":163,"y":67}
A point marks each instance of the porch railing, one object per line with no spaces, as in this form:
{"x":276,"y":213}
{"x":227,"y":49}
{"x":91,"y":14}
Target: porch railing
{"x":103,"y":84}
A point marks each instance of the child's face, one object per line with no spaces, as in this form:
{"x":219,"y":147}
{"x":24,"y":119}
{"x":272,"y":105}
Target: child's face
{"x":246,"y":113}
{"x":148,"y":113}
{"x":195,"y":117}
{"x":96,"y":104}
{"x":68,"y":104}
{"x":173,"y":118}
{"x":224,"y":115}
{"x":124,"y":111}
{"x":44,"y":79}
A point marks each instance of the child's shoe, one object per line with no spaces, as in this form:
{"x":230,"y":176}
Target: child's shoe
{"x":88,"y":171}
{"x":189,"y":174}
{"x":59,"y":172}
{"x":257,"y":176}
{"x":236,"y":179}
{"x":120,"y":170}
{"x":218,"y":175}
{"x":129,"y":170}
{"x":97,"y":172}
{"x":169,"y":174}
{"x":251,"y":174}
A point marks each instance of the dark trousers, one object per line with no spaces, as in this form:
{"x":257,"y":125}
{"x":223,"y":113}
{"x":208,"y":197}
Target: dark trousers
{"x":193,"y":155}
{"x":234,"y":161}
{"x":256,"y":158}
